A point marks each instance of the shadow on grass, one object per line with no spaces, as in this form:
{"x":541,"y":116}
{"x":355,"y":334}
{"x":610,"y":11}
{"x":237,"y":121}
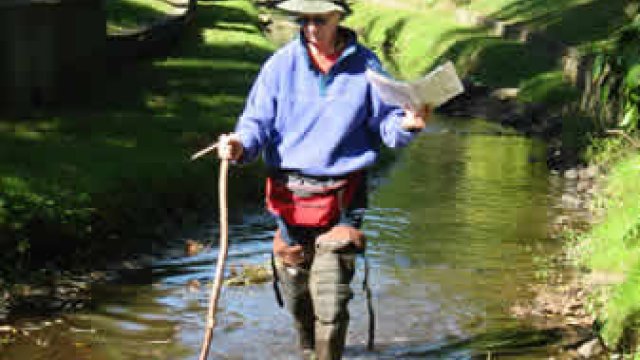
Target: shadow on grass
{"x":498,"y":62}
{"x":389,"y":47}
{"x":567,"y":21}
{"x":504,"y":62}
{"x":128,"y":14}
{"x":122,"y":158}
{"x":194,"y":68}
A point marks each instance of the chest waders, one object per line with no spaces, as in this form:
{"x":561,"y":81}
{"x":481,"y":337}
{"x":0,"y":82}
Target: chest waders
{"x":365,"y":287}
{"x":365,"y":283}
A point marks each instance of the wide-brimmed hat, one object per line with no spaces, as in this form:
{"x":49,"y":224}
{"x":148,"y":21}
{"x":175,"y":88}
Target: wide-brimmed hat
{"x":314,"y":6}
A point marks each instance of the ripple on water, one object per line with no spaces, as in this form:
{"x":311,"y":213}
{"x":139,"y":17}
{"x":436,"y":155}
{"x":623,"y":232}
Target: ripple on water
{"x":454,"y":232}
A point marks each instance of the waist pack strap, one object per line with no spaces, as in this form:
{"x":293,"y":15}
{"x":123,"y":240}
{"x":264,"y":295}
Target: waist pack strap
{"x":303,"y":185}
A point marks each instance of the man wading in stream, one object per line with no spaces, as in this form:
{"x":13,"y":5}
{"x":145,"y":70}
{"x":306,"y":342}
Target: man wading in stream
{"x":319,"y":125}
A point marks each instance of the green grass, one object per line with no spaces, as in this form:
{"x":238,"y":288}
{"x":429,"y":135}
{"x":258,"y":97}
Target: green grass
{"x":118,"y":166}
{"x":613,"y":245}
{"x":412,"y":42}
{"x":620,"y":228}
{"x":565,"y":20}
{"x":399,"y":36}
{"x":562,"y":20}
{"x":549,"y":88}
{"x":127,"y":14}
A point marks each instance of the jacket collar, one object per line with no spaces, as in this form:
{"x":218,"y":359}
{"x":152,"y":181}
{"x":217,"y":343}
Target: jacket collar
{"x":350,"y":47}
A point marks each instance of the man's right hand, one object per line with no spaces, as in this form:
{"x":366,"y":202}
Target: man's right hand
{"x":230,"y":147}
{"x":290,"y":255}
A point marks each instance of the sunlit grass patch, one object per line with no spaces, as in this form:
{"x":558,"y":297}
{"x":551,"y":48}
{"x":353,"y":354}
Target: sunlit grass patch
{"x":622,"y":312}
{"x":130,"y":14}
{"x":614,"y":242}
{"x":409,"y":42}
{"x":614,"y":246}
{"x":412,"y":42}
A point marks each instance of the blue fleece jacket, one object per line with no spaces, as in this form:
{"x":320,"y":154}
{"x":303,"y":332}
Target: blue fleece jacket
{"x":319,"y":124}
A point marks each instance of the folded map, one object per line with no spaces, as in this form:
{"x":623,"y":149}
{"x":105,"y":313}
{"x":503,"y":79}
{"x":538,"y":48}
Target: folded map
{"x":434,"y":89}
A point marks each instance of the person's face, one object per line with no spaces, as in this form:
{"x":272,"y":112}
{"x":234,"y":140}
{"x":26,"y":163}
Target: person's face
{"x":319,"y":29}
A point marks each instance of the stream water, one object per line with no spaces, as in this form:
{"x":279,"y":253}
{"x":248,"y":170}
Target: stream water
{"x":458,"y":231}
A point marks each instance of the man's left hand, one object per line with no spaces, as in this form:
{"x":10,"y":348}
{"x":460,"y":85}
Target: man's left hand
{"x":416,"y":120}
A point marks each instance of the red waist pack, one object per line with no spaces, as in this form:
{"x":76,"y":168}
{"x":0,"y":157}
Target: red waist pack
{"x":307,"y":201}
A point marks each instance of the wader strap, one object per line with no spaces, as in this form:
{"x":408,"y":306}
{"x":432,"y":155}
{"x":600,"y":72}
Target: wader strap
{"x":343,"y":214}
{"x":367,"y":291}
{"x":276,"y":289}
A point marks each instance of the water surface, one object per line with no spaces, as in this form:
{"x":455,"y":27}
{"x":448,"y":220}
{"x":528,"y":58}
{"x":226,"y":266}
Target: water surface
{"x":458,"y":232}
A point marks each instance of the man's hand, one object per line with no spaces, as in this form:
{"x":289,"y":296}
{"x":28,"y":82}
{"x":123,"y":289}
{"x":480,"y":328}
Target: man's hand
{"x":416,"y":121}
{"x":230,"y":147}
{"x":290,"y":255}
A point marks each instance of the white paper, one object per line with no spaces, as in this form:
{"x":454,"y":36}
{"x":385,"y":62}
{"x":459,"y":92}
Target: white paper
{"x":434,"y":89}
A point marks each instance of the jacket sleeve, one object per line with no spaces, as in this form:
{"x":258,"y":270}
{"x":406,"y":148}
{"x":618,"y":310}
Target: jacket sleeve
{"x":256,"y":121}
{"x":385,"y":119}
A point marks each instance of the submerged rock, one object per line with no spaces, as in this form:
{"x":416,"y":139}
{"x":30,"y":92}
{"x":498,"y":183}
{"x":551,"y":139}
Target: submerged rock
{"x":248,"y":275}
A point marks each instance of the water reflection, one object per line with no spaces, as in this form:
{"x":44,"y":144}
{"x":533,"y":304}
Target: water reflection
{"x":470,"y":215}
{"x":456,"y":229}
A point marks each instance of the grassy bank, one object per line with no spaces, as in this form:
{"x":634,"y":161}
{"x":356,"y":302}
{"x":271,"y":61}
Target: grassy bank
{"x":612,"y":248}
{"x":113,"y":175}
{"x":412,"y":40}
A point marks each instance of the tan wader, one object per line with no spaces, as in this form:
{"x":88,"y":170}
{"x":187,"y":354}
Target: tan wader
{"x":316,"y":293}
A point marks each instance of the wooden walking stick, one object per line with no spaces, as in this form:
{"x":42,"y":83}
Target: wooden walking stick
{"x":222,"y":252}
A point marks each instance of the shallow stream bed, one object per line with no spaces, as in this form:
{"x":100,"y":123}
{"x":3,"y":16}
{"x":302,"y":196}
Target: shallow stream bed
{"x":458,"y":232}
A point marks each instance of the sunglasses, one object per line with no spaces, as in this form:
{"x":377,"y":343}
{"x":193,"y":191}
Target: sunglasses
{"x":316,"y":20}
